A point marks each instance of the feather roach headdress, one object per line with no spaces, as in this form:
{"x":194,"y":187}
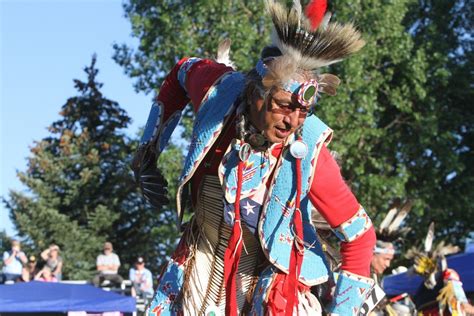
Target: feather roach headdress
{"x":429,"y":260}
{"x":307,"y":41}
{"x":389,"y":230}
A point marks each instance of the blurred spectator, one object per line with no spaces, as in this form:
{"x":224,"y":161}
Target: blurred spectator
{"x":108,"y":264}
{"x":13,"y":261}
{"x":30,"y":270}
{"x":142,"y":279}
{"x":46,"y":275}
{"x":53,"y":260}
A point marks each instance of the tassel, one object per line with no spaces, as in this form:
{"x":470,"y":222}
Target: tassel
{"x":315,"y":11}
{"x":233,"y":252}
{"x":296,"y":257}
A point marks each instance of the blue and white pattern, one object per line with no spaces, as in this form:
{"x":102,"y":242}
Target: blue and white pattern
{"x":351,"y":292}
{"x":183,"y":70}
{"x":214,"y":111}
{"x":152,"y":123}
{"x":354,"y":227}
{"x":170,"y":285}
{"x":262,"y":289}
{"x":256,"y":171}
{"x":275,"y":228}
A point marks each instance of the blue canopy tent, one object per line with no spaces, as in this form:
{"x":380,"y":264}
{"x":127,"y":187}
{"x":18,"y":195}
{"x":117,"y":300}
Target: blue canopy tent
{"x":34,"y":297}
{"x":409,"y":282}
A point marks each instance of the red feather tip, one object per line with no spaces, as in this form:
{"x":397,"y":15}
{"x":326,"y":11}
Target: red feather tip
{"x":315,"y":11}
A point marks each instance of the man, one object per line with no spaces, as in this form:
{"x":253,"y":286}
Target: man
{"x":13,"y":262}
{"x":383,"y":256}
{"x":388,"y":233}
{"x":256,"y":161}
{"x":108,"y":264}
{"x":142,"y":279}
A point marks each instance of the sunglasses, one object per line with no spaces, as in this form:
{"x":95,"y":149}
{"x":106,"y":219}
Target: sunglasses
{"x":288,"y":108}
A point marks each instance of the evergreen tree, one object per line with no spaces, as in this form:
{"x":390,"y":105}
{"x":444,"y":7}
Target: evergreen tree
{"x":81,"y":191}
{"x":402,"y":121}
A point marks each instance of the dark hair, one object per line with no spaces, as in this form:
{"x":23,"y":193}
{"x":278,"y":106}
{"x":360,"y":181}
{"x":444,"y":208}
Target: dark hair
{"x":270,"y":51}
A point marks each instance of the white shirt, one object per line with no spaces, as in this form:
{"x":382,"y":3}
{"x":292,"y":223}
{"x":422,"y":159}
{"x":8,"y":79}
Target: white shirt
{"x":106,"y":260}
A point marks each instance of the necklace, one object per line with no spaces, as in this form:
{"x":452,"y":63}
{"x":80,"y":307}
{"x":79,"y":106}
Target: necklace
{"x":248,"y":133}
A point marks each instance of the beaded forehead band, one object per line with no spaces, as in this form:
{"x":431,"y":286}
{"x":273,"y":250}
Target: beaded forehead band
{"x":305,"y":92}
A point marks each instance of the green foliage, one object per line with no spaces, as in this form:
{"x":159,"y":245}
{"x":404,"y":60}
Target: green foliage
{"x":169,"y":30}
{"x":402,"y":120}
{"x":81,"y":191}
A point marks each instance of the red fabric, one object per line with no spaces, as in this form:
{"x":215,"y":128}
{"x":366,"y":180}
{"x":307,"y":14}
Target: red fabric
{"x":296,"y":256}
{"x":315,"y":11}
{"x":200,"y":77}
{"x":277,"y":298}
{"x":334,"y":200}
{"x":233,"y":252}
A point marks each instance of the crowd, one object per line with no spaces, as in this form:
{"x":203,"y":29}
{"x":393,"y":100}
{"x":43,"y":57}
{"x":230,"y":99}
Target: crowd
{"x":17,"y":267}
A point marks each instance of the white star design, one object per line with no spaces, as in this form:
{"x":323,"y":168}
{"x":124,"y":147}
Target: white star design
{"x":249,"y":208}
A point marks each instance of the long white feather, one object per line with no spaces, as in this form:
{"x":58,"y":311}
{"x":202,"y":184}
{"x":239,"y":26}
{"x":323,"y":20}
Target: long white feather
{"x":429,"y":238}
{"x":388,"y":219}
{"x":400,"y":217}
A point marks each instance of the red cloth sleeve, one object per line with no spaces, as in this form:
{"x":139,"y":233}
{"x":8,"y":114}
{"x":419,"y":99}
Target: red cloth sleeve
{"x":202,"y":75}
{"x":334,"y":200}
{"x":172,"y":95}
{"x":199,"y":78}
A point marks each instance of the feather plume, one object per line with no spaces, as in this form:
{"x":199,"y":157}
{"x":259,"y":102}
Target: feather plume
{"x":223,"y":53}
{"x":311,"y":49}
{"x":315,"y":12}
{"x":328,"y":83}
{"x":388,"y":219}
{"x":298,"y":9}
{"x":429,"y":238}
{"x":281,"y":69}
{"x":400,"y":217}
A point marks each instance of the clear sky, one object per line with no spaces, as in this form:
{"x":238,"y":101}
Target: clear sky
{"x":44,"y":45}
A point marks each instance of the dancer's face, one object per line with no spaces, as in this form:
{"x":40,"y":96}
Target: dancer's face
{"x":278,"y":115}
{"x":381,"y":261}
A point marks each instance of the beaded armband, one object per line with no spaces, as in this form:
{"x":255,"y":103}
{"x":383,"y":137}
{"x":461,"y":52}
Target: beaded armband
{"x":354,"y":227}
{"x":351,"y":292}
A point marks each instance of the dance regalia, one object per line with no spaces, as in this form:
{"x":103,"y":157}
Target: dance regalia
{"x":250,"y":247}
{"x":193,"y":280}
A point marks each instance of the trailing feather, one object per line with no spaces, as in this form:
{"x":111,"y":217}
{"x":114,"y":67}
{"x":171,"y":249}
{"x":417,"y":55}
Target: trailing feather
{"x":429,"y":238}
{"x":223,"y":53}
{"x":400,"y":217}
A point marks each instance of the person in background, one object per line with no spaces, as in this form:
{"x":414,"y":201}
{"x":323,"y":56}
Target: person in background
{"x":13,"y":261}
{"x":30,"y":270}
{"x":389,"y":233}
{"x":383,"y":256}
{"x":142,"y":279}
{"x":108,"y":264}
{"x":45,"y":275}
{"x":53,"y":260}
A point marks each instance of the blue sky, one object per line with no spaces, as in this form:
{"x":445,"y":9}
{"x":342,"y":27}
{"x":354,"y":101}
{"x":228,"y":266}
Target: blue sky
{"x":44,"y":45}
